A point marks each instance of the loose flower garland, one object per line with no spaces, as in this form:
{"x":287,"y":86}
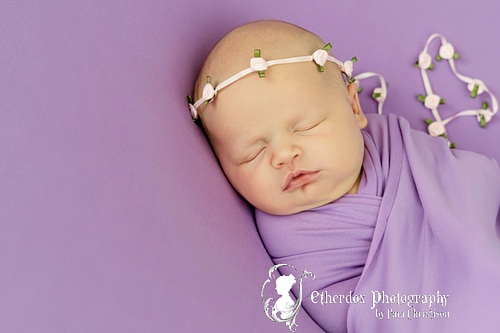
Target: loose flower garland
{"x":432,"y":101}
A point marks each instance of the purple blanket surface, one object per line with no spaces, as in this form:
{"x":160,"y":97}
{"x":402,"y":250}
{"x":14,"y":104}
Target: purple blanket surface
{"x":416,"y":250}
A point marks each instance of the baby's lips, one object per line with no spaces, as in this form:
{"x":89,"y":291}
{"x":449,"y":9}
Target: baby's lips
{"x":298,"y":178}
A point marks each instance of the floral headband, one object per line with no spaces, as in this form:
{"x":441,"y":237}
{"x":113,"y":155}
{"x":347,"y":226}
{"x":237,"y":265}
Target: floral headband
{"x":259,"y":65}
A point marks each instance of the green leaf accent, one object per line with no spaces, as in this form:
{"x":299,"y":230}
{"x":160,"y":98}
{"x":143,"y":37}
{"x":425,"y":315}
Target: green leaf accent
{"x":485,"y":106}
{"x":473,"y":93}
{"x":327,"y":47}
{"x":421,"y":98}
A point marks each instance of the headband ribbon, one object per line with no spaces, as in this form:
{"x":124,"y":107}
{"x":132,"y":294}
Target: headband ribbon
{"x":260,"y":65}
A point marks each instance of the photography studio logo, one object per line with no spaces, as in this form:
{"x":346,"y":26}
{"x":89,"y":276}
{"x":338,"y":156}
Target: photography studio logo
{"x":281,"y":307}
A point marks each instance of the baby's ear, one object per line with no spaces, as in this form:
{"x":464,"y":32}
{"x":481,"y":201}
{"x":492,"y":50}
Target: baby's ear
{"x":352,"y":90}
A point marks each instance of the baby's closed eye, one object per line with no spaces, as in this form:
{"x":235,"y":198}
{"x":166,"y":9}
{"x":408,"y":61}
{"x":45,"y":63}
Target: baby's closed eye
{"x":307,"y":127}
{"x":253,"y":156}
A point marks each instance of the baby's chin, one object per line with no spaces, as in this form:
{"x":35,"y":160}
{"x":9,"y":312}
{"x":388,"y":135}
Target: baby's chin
{"x":289,"y":210}
{"x":314,"y":201}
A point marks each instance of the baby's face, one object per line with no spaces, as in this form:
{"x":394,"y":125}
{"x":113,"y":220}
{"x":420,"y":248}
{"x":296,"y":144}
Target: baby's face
{"x":290,"y":141}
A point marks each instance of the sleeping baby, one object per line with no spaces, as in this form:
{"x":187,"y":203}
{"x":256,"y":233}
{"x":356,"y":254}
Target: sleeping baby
{"x":370,"y":206}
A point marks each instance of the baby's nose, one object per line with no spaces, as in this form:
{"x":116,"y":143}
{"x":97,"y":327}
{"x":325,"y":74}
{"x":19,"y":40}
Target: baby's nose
{"x":285,"y":154}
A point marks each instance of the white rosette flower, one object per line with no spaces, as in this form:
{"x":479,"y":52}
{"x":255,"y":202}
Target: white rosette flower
{"x":258,"y":64}
{"x":194,"y":112}
{"x":348,"y":68}
{"x":378,"y":95}
{"x":208,"y":92}
{"x":478,"y":83}
{"x":446,"y":51}
{"x":436,"y":128}
{"x":432,"y":101}
{"x":320,"y":57}
{"x":484,"y":114}
{"x":424,"y":60}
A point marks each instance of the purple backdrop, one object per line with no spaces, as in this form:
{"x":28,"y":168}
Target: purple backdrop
{"x":114,"y":215}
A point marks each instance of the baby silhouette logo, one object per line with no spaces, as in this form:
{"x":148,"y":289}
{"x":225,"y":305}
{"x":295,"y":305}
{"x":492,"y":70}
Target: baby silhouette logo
{"x":283,"y":308}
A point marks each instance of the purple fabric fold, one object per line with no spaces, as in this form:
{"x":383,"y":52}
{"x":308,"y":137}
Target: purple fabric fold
{"x":418,"y":242}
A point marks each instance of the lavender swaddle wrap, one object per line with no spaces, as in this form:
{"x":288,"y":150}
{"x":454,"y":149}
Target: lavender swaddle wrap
{"x":420,"y":237}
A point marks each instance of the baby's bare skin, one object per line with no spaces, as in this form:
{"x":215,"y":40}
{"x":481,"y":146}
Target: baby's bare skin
{"x":290,"y":141}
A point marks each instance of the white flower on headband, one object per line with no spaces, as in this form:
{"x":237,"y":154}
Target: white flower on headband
{"x":436,"y":128}
{"x":446,"y":51}
{"x":347,"y":68}
{"x":432,"y":101}
{"x":320,"y":57}
{"x":424,"y":60}
{"x":208,"y":92}
{"x":258,"y":64}
{"x":194,"y":112}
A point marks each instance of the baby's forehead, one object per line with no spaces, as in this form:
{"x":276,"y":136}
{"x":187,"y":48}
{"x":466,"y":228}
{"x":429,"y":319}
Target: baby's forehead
{"x":237,"y":57}
{"x":274,"y":39}
{"x":283,"y":88}
{"x":254,"y":107}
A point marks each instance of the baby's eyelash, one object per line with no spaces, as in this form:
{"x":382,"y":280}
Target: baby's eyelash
{"x":254,"y":156}
{"x":307,"y":128}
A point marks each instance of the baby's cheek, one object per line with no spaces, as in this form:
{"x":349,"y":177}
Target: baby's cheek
{"x":260,"y":192}
{"x":246,"y":183}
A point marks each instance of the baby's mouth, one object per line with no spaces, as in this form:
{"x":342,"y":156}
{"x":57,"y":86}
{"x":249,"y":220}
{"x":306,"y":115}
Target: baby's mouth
{"x":299,"y":178}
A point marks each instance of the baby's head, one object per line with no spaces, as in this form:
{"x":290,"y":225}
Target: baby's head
{"x":289,"y":141}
